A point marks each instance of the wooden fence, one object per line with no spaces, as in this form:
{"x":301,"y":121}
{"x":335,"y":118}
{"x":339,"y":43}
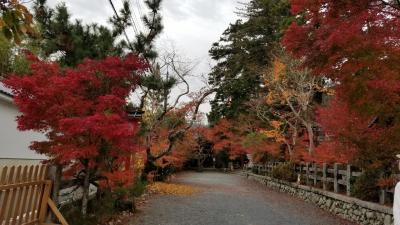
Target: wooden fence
{"x":25,"y":196}
{"x":337,"y":177}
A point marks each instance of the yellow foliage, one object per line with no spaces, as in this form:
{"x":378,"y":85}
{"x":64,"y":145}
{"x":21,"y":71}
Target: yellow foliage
{"x":276,"y":81}
{"x":166,"y":161}
{"x":275,"y":133}
{"x":270,"y":133}
{"x":172,"y":189}
{"x":138,"y":162}
{"x":286,"y":94}
{"x":279,"y":69}
{"x":270,"y":98}
{"x":276,"y":124}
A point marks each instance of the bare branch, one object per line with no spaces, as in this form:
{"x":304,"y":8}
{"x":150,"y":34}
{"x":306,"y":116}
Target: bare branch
{"x":174,"y":135}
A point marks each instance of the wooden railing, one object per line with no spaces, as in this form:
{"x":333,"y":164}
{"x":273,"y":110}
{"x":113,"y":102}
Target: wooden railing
{"x":335,"y":177}
{"x":25,"y":196}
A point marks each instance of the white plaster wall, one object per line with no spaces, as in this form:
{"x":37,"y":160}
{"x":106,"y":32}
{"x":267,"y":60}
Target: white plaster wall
{"x":14,"y":144}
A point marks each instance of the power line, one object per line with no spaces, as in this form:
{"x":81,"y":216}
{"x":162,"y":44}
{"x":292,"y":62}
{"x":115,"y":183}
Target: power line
{"x":137,"y":16}
{"x":139,"y":7}
{"x":131,"y":18}
{"x":139,"y":13}
{"x":118,"y":18}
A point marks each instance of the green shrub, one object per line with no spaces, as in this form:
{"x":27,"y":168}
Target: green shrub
{"x":284,"y":172}
{"x":138,"y":188}
{"x":100,"y":209}
{"x":366,"y":187}
{"x":254,"y":170}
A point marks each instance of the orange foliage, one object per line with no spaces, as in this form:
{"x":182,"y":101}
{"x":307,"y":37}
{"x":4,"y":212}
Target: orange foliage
{"x":117,"y":179}
{"x":279,"y":69}
{"x":227,"y":135}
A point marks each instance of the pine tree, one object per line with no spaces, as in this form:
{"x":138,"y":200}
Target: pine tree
{"x":242,"y":53}
{"x":74,"y":40}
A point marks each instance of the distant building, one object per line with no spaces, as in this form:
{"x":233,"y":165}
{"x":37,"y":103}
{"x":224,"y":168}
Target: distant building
{"x":14,"y":144}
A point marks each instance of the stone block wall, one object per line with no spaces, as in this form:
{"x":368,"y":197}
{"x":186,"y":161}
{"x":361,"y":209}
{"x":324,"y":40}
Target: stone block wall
{"x":353,"y":209}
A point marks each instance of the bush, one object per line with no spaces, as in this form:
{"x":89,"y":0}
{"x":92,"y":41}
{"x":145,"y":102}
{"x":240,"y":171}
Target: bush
{"x":105,"y":206}
{"x":284,"y":172}
{"x":138,"y":188}
{"x":100,"y":209}
{"x":366,"y":187}
{"x":254,"y":170}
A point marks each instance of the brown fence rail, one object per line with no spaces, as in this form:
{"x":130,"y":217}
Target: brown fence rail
{"x":336,"y":177}
{"x":24,"y":196}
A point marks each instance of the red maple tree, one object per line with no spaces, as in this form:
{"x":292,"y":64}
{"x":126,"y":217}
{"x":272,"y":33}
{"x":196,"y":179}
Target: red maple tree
{"x":226,"y":135}
{"x":82,"y":112}
{"x":357,"y":45}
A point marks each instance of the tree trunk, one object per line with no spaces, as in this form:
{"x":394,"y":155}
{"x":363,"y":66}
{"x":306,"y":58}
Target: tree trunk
{"x":57,"y":183}
{"x":149,"y":164}
{"x":311,"y":144}
{"x":85,"y":195}
{"x":200,"y":163}
{"x":290,"y":150}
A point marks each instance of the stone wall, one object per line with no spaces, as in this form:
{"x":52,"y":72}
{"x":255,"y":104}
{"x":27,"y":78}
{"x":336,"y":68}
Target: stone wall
{"x":353,"y":209}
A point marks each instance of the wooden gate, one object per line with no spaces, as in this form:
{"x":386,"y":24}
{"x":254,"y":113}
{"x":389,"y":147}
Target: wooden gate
{"x":25,"y":196}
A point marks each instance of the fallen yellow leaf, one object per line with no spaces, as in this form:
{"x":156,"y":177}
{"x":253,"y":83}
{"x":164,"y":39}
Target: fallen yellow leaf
{"x":171,"y":189}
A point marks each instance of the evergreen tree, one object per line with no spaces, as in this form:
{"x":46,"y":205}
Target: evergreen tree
{"x":143,"y":43}
{"x":242,"y":53}
{"x":74,"y":40}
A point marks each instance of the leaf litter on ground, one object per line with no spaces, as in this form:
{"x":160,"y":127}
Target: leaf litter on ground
{"x":172,"y":189}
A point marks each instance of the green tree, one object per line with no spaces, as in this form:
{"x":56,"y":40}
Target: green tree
{"x":73,"y":41}
{"x":12,"y":59}
{"x":243,"y":51}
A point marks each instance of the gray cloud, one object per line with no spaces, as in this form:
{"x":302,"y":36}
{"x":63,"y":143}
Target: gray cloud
{"x":207,"y":10}
{"x":89,"y":11}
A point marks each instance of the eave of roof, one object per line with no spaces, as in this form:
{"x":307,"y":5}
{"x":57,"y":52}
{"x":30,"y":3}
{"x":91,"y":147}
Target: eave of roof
{"x":6,"y":94}
{"x":5,"y":91}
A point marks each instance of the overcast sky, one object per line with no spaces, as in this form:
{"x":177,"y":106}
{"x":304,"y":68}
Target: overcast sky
{"x":191,"y":26}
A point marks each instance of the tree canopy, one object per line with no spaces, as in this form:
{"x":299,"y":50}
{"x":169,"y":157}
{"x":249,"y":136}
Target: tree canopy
{"x":82,"y":113}
{"x":71,"y":41}
{"x":356,"y":45}
{"x":246,"y":47}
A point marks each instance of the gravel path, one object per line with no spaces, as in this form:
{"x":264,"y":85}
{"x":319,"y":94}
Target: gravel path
{"x":228,"y":199}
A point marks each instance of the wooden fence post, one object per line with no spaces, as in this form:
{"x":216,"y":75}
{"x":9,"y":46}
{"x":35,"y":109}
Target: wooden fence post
{"x":335,"y":178}
{"x":315,"y":174}
{"x":382,"y":196}
{"x":307,"y":174}
{"x":301,"y":168}
{"x":44,"y":202}
{"x":300,"y":172}
{"x":324,"y":176}
{"x":266,"y":169}
{"x":348,"y":180}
